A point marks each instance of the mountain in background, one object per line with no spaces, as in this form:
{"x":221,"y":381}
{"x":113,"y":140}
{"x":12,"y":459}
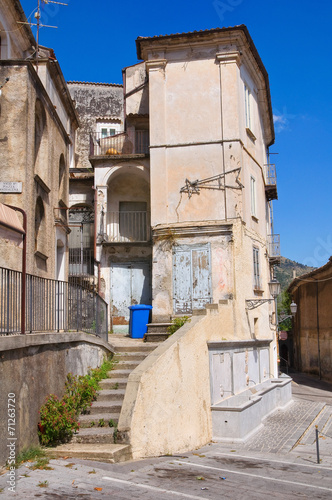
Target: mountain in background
{"x":284,"y":272}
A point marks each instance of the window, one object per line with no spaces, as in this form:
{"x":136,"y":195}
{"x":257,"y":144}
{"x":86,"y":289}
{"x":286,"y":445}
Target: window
{"x":247,"y":99}
{"x":257,"y":278}
{"x":40,"y":126}
{"x":62,"y":168}
{"x":107,"y":132}
{"x":39,"y":219}
{"x":107,"y":128}
{"x":253,"y":196}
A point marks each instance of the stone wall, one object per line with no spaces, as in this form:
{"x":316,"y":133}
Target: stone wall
{"x":312,"y":332}
{"x":34,"y":366}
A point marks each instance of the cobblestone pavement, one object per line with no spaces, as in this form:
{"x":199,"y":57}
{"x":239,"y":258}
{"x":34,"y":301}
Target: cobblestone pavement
{"x":291,"y":432}
{"x":278,"y":435}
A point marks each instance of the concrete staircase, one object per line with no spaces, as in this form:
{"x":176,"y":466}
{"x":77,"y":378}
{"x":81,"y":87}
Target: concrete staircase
{"x":96,"y":439}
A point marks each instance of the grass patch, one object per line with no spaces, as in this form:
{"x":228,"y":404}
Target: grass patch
{"x":43,"y":484}
{"x":29,"y":455}
{"x":41,"y":464}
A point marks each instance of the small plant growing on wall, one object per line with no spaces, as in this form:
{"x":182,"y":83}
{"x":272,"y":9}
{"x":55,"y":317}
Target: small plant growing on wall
{"x":168,"y":238}
{"x":177,"y":323}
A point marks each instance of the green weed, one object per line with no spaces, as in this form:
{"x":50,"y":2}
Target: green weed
{"x":177,"y":323}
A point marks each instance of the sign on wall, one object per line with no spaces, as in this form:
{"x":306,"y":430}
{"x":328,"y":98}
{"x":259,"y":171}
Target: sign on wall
{"x":10,"y":187}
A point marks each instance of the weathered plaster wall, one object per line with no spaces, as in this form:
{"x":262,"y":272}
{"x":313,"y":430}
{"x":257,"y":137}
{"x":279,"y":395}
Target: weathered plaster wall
{"x":20,"y":163}
{"x":313,"y":324}
{"x":34,"y":366}
{"x":174,"y":415}
{"x":137,"y":103}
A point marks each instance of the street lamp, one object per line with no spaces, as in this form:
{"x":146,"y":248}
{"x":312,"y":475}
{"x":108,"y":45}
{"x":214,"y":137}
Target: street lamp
{"x":293,"y":308}
{"x":274,"y":287}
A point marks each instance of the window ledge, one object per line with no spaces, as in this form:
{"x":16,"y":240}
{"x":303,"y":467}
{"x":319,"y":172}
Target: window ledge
{"x":42,"y":184}
{"x":41,"y":255}
{"x":254,"y":218}
{"x":250,"y":134}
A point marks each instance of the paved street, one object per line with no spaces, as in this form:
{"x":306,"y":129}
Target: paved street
{"x":278,"y":462}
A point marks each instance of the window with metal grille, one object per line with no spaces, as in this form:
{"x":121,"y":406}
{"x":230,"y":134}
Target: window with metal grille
{"x":257,"y":278}
{"x":253,"y":196}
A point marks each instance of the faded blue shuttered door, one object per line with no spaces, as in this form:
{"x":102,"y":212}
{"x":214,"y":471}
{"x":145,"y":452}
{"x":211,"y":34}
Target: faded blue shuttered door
{"x":191,"y":277}
{"x":130,"y":284}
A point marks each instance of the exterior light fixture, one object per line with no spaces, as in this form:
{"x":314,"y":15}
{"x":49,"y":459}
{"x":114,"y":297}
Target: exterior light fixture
{"x":293,"y":308}
{"x":274,"y":287}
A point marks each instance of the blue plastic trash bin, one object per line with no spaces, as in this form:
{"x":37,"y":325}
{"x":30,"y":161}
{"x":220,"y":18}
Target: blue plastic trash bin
{"x":139,"y":318}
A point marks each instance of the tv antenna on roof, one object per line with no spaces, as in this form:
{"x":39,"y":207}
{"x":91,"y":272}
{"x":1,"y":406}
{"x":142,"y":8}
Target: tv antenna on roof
{"x":37,"y":16}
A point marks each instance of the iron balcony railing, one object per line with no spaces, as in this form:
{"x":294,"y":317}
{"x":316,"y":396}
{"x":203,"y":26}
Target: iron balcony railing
{"x":125,"y":227}
{"x":273,"y":241}
{"x":50,"y":305}
{"x":119,"y":144}
{"x":270,"y":175}
{"x":271,"y":182}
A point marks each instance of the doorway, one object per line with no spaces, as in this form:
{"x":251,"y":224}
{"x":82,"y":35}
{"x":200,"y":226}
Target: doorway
{"x":130,"y":285}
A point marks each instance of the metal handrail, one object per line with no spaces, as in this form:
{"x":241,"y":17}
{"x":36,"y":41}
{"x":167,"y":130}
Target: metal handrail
{"x":51,"y":306}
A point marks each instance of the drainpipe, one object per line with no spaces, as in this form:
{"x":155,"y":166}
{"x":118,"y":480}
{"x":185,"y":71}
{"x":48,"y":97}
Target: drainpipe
{"x":95,"y":239}
{"x":318,"y":343}
{"x":24,"y":260}
{"x":124,"y":100}
{"x":222,"y":139}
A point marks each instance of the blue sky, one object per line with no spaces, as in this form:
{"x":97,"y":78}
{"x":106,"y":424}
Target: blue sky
{"x":95,"y":40}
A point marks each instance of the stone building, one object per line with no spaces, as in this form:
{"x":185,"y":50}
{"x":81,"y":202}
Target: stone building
{"x":312,"y":327}
{"x":184,"y":185}
{"x":37,"y":122}
{"x":100,"y":107}
{"x":171,"y":194}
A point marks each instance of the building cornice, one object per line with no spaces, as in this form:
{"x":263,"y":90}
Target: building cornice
{"x":232,"y":36}
{"x":229,"y":57}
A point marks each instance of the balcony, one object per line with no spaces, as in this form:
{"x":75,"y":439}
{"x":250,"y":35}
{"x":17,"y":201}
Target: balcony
{"x":273,"y":248}
{"x":128,"y":227}
{"x":271,"y":182}
{"x":120,"y":144}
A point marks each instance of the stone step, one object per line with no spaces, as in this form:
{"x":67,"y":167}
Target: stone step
{"x":105,"y":407}
{"x":158,"y":327}
{"x":131,"y":356}
{"x":124,"y":374}
{"x":92,"y":420}
{"x":156,"y":337}
{"x":141,"y":347}
{"x":113,"y":383}
{"x":96,"y":435}
{"x":126,"y":365}
{"x":110,"y":453}
{"x":111,"y":395}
